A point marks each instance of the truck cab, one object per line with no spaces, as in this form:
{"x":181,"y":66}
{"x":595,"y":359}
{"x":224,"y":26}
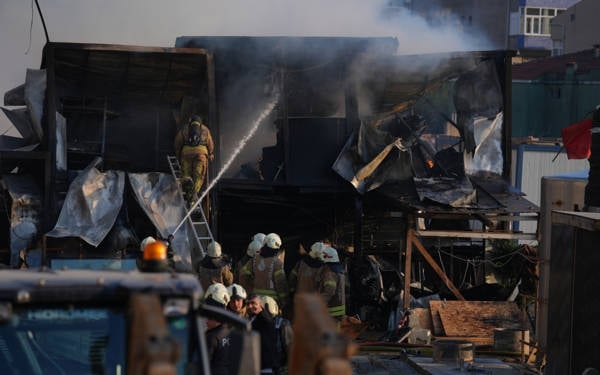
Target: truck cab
{"x":110,"y":322}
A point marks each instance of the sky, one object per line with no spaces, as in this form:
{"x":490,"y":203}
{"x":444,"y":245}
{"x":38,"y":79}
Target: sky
{"x":160,"y":22}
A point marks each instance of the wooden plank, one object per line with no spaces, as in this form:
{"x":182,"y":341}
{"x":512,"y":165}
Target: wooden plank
{"x":476,"y":318}
{"x":477,"y":341}
{"x":421,"y":318}
{"x":436,"y":321}
{"x":434,"y":265}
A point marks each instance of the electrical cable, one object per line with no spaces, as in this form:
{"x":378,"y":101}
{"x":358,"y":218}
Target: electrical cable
{"x":43,"y":21}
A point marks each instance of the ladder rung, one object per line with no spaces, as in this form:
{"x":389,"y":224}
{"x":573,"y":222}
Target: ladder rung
{"x":197,"y":213}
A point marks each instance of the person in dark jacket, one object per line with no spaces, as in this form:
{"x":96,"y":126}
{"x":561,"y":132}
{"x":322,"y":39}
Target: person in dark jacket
{"x":218,"y":343}
{"x":263,"y":323}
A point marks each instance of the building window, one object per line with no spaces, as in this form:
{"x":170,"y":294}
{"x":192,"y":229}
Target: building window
{"x":536,"y":20}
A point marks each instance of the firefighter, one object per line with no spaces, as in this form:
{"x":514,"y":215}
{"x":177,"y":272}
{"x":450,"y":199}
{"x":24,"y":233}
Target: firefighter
{"x":333,"y":283}
{"x":214,"y":267}
{"x":244,"y":265}
{"x":194,"y":147}
{"x":218,"y":344}
{"x":305,"y":276}
{"x":267,"y":275}
{"x":237,"y":303}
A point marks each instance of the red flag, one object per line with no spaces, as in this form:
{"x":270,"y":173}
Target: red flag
{"x":577,"y":139}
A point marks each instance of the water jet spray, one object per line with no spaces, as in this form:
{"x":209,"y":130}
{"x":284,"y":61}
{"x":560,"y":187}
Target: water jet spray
{"x":266,"y":112}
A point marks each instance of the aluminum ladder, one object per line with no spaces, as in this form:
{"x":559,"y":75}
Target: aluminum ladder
{"x":197,"y":219}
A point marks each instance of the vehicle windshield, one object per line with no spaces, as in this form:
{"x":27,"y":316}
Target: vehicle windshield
{"x":65,"y":341}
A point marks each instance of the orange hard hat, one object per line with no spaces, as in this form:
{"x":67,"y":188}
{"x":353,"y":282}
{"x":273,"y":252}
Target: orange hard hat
{"x":155,"y":251}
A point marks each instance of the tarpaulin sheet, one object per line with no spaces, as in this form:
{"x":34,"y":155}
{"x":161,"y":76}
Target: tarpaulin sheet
{"x":487,"y":157}
{"x":476,"y":93}
{"x":91,"y":206}
{"x":22,"y":122}
{"x":449,"y":191}
{"x":360,"y":151}
{"x":158,"y":195}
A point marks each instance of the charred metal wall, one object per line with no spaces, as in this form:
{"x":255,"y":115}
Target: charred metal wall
{"x":573,"y":305}
{"x":122,"y":103}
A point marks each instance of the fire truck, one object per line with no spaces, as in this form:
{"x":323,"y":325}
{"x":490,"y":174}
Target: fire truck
{"x":110,"y":322}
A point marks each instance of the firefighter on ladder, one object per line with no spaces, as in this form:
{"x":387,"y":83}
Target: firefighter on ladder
{"x":194,"y":147}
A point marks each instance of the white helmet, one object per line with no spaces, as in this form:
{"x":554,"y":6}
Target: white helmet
{"x":253,"y":248}
{"x":273,"y":241}
{"x":218,"y":293}
{"x":214,"y":249}
{"x":330,"y":255}
{"x":260,"y":237}
{"x":236,"y":290}
{"x":316,"y":250}
{"x":270,"y":304}
{"x":146,"y":241}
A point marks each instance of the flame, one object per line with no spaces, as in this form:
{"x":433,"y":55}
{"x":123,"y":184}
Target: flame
{"x":430,"y":163}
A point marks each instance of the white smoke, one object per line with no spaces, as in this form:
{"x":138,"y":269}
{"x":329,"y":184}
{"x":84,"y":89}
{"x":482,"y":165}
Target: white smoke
{"x":160,"y":22}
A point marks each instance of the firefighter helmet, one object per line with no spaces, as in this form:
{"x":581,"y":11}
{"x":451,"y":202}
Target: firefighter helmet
{"x":237,"y":291}
{"x":214,"y":249}
{"x":260,"y":237}
{"x":316,"y":250}
{"x":273,"y":241}
{"x":330,"y":255}
{"x":217,"y":293}
{"x":270,"y":305}
{"x":145,"y":242}
{"x":253,"y":248}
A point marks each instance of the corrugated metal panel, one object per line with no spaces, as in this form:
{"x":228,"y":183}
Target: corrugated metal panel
{"x":531,"y":163}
